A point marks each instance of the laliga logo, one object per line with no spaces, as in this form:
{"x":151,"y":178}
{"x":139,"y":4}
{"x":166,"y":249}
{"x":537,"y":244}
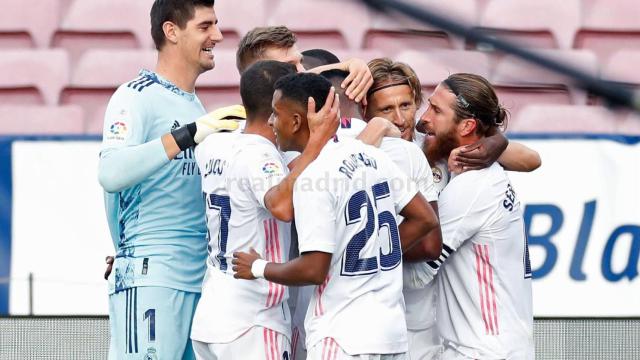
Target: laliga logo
{"x":270,"y":168}
{"x":118,"y":128}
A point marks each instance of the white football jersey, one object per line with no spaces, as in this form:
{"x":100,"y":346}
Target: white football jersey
{"x":419,"y":288}
{"x":412,"y":161}
{"x":484,"y":300}
{"x":440,"y":169}
{"x":355,"y":192}
{"x":420,"y":309}
{"x":237,"y":171}
{"x":349,"y":128}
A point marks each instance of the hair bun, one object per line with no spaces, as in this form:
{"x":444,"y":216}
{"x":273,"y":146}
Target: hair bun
{"x":501,"y":117}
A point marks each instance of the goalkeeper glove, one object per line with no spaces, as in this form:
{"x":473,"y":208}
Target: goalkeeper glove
{"x":222,"y":119}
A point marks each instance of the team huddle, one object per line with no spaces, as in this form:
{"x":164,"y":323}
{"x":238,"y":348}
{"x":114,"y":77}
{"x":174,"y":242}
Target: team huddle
{"x":317,"y":220}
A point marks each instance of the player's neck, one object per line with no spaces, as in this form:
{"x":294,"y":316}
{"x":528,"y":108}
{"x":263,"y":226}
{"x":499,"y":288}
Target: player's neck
{"x":468,"y":140}
{"x":261,"y":128}
{"x":351,"y":111}
{"x":177,"y":71}
{"x":301,"y":141}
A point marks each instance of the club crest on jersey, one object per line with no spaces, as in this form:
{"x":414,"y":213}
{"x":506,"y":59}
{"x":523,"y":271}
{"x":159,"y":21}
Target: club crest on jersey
{"x":437,"y":174}
{"x":151,"y":354}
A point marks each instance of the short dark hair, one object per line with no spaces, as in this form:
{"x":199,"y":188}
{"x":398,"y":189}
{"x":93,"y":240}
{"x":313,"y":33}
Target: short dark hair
{"x":257,"y":85}
{"x":299,"y":87}
{"x":178,"y":12}
{"x":318,"y":57}
{"x":253,"y":45}
{"x":335,"y":76}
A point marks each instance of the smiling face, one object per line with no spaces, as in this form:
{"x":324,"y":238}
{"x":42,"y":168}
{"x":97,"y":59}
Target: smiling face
{"x":440,"y":126}
{"x":396,"y":104}
{"x":284,"y":120}
{"x":198,"y":38}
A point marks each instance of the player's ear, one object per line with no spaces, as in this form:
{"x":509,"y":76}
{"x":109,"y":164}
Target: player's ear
{"x":467,"y":127}
{"x":169,"y":30}
{"x":296,"y":124}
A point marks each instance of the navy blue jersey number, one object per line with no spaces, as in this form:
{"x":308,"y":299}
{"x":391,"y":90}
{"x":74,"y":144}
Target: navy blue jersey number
{"x":353,"y":264}
{"x":151,"y":315}
{"x":222,"y":204}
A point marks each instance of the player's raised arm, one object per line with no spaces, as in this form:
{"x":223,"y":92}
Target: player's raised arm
{"x":126,"y":160}
{"x":359,"y":80}
{"x":478,"y":155}
{"x":518,"y":157}
{"x":322,"y":124}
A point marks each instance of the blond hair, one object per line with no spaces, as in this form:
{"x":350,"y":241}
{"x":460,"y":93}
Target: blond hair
{"x":387,"y":72}
{"x":253,"y":45}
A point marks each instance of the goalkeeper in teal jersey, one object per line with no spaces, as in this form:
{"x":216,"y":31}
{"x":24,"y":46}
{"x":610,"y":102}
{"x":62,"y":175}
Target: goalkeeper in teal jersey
{"x":152,"y":186}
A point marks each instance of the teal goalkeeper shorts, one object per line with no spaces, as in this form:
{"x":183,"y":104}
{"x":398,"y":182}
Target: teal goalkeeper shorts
{"x":151,"y":323}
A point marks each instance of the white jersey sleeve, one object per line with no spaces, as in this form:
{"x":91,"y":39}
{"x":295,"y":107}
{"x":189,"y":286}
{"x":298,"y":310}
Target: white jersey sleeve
{"x":404,"y":188}
{"x":316,"y":229}
{"x":266,"y":169}
{"x":461,"y":212}
{"x":408,"y":157}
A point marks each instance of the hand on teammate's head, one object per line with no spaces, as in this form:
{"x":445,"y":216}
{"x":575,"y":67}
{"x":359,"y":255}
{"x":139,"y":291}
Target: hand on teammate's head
{"x":359,"y":80}
{"x":324,"y":123}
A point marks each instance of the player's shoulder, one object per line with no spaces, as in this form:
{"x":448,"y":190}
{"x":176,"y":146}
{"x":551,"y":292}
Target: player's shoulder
{"x":346,"y":146}
{"x":347,"y":151}
{"x":354,"y":125}
{"x":252,"y":150}
{"x":139,"y":87}
{"x":218,"y":141}
{"x":409,"y":147}
{"x":216,"y":145}
{"x":131,"y":93}
{"x":476,"y":180}
{"x":350,"y":127}
{"x":252,"y":145}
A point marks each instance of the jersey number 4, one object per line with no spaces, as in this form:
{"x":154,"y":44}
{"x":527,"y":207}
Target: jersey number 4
{"x":352,"y":263}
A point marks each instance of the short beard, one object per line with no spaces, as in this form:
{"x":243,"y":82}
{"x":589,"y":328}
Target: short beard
{"x":438,"y":148}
